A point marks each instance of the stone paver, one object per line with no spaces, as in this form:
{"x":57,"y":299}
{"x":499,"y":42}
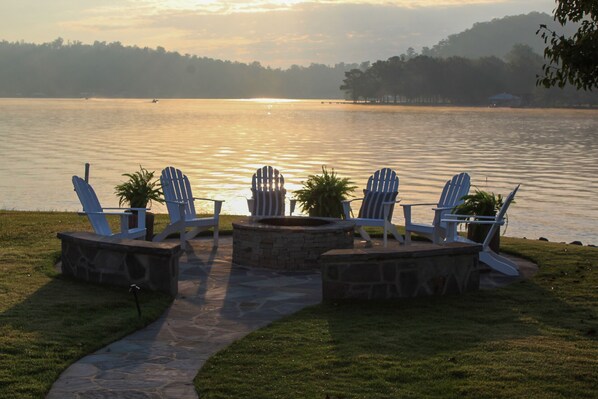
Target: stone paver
{"x":216,"y":305}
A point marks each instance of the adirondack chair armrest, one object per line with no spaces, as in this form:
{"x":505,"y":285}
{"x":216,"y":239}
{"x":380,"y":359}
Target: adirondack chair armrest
{"x":453,"y":219}
{"x":175,"y":202}
{"x":442,"y":208}
{"x":104,"y":213}
{"x":469,"y":221}
{"x":123,"y":209}
{"x":208,"y":199}
{"x":420,"y":204}
{"x":456,"y":217}
{"x":485,"y":217}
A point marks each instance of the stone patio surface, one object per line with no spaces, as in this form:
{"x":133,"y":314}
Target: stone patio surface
{"x":217,"y":304}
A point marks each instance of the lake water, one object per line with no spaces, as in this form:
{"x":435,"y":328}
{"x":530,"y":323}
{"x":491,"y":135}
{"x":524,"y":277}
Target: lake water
{"x":220,"y":143}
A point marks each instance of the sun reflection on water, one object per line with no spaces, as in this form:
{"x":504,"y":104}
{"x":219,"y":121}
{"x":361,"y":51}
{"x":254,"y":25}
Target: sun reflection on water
{"x":219,"y":144}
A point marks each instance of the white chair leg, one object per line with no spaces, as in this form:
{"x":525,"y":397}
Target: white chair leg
{"x":364,"y":234}
{"x":436,"y":236}
{"x":193,"y":232}
{"x":182,"y":235}
{"x":385,"y":237}
{"x":407,"y":237}
{"x":216,"y":235}
{"x":393,"y":229}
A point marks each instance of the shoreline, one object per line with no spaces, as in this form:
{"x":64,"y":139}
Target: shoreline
{"x":224,"y":231}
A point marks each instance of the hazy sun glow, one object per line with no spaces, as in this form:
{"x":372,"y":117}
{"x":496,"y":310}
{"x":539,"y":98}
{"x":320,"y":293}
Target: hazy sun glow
{"x":269,"y":100}
{"x":224,"y":7}
{"x":232,"y":6}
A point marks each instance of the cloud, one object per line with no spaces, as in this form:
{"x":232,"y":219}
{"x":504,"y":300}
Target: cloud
{"x":274,"y":32}
{"x":236,"y":6}
{"x":320,"y":32}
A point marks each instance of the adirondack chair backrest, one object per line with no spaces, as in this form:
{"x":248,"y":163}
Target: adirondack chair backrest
{"x":267,"y":189}
{"x":382,"y":186}
{"x":454,"y":190}
{"x":176,"y":187}
{"x":89,"y":202}
{"x":500,"y":216}
{"x":452,"y":193}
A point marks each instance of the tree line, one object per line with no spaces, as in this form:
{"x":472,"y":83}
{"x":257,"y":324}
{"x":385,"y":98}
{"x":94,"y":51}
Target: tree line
{"x":74,"y":69}
{"x":419,"y":79}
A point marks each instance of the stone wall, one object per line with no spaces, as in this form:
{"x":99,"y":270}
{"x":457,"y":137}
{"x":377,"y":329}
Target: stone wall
{"x":108,"y":260}
{"x":287,"y":247}
{"x":409,"y":271}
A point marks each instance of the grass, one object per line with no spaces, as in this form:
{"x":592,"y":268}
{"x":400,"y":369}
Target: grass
{"x":533,"y":339}
{"x":48,"y":322}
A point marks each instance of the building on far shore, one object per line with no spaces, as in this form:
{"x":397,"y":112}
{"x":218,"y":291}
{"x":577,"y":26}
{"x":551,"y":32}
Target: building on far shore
{"x":504,"y":100}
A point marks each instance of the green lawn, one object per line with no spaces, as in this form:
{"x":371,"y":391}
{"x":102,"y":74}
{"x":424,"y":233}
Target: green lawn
{"x":47,"y":322}
{"x":534,"y":339}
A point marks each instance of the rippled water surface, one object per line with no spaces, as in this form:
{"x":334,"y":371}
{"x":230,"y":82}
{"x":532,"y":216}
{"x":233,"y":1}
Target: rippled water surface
{"x":220,"y":143}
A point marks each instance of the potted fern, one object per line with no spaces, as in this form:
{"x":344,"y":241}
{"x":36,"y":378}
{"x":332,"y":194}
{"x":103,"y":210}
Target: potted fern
{"x":139,"y":192}
{"x":321,"y":195}
{"x":481,"y":203}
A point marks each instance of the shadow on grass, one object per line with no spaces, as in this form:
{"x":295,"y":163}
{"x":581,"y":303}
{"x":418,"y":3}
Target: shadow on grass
{"x":429,"y":326}
{"x":61,"y":322}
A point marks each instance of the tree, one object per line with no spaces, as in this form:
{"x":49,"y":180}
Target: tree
{"x":572,"y":59}
{"x":353,"y":84}
{"x":523,"y":66}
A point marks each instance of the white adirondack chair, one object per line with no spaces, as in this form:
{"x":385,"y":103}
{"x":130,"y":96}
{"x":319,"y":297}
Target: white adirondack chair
{"x":181,"y":208}
{"x":450,"y":197}
{"x":380,"y":196}
{"x":97,"y":215}
{"x":489,"y":257}
{"x":268,"y":193}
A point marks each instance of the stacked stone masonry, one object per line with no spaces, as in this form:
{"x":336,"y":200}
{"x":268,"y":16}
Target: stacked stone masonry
{"x":409,"y":271}
{"x":287,"y":247}
{"x":108,"y":260}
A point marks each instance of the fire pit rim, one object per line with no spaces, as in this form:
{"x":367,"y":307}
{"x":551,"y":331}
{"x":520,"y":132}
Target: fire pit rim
{"x":332,"y":224}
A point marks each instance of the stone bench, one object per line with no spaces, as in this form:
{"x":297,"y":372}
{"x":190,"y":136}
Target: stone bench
{"x":108,"y":260}
{"x":403,"y":272}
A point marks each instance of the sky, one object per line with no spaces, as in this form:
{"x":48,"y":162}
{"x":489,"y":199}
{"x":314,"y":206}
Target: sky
{"x":276,"y":33}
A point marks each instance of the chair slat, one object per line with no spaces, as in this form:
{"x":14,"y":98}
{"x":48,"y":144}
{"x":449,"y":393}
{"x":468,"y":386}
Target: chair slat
{"x":267,"y":188}
{"x":382,"y":186}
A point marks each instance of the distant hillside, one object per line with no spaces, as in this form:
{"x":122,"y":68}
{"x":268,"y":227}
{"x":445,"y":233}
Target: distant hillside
{"x":101,"y":69}
{"x":495,"y":38}
{"x":74,"y":69}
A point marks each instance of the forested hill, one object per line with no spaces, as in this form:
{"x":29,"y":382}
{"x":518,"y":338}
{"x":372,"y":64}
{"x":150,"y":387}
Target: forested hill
{"x":61,"y":69}
{"x":101,"y":69}
{"x":496,"y":38}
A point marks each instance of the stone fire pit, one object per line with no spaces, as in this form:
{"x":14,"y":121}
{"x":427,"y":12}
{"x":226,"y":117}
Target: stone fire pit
{"x":288,"y":243}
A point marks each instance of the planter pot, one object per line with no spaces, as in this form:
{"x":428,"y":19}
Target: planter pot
{"x":478,"y":233}
{"x":149,"y":224}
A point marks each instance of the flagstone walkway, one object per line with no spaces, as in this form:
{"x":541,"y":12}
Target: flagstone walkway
{"x":217,"y":304}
